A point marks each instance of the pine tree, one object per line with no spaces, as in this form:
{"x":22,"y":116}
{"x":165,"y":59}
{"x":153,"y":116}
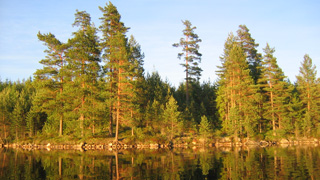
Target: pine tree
{"x":123,"y":84}
{"x":276,"y":90}
{"x":121,"y":78}
{"x":83,"y":67}
{"x":50,"y":80}
{"x":307,"y":86}
{"x":190,"y":54}
{"x":236,"y":96}
{"x":111,"y":25}
{"x":138,"y":100}
{"x":249,"y":46}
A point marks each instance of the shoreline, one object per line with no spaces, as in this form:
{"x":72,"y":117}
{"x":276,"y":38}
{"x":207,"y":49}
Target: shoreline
{"x":111,"y":146}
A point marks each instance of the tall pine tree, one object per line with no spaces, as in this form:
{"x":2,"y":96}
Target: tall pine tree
{"x":190,"y":54}
{"x":237,"y":93}
{"x":138,"y":99}
{"x":111,"y":25}
{"x":276,"y":91}
{"x":308,"y":88}
{"x":83,"y":68}
{"x":249,"y":46}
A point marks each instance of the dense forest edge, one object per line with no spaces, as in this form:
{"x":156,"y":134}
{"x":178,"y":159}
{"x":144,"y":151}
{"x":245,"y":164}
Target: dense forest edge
{"x":94,"y":89}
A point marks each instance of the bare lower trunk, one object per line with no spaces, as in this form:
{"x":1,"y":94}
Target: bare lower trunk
{"x":110,"y":121}
{"x":61,"y":126}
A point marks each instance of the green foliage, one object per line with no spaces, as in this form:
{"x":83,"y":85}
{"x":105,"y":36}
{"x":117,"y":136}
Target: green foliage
{"x":172,"y":124}
{"x":237,"y":94}
{"x":249,"y":47}
{"x":276,"y":92}
{"x":95,"y":83}
{"x":205,"y":128}
{"x":308,"y":88}
{"x":191,"y":56}
{"x":190,"y":47}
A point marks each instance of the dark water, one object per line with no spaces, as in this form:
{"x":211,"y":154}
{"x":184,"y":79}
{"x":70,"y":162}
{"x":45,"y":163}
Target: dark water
{"x":302,"y":162}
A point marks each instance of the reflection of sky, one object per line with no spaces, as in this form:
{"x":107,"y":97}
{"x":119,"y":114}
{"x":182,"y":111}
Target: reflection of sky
{"x":292,"y":28}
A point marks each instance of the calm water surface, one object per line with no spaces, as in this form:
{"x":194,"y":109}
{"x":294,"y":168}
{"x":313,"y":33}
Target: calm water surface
{"x":301,"y":162}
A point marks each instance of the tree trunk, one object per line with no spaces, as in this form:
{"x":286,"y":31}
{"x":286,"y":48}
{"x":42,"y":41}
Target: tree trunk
{"x":61,"y":126}
{"x":16,"y":133}
{"x":82,"y":101}
{"x":132,"y":122}
{"x":111,"y":106}
{"x":61,"y":116}
{"x":110,"y":121}
{"x":118,"y":103}
{"x":81,"y":124}
{"x":187,"y":75}
{"x":272,"y":109}
{"x":171,"y":129}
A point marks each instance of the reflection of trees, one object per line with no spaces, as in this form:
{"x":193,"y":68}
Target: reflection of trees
{"x":238,"y":163}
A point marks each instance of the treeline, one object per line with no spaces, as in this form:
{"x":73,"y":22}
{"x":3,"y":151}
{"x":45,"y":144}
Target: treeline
{"x":96,"y":86}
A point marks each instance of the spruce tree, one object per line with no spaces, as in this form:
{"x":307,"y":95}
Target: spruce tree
{"x":8,"y":98}
{"x":205,"y":127}
{"x":296,"y":112}
{"x":19,"y":115}
{"x":307,"y":86}
{"x":190,"y":54}
{"x":171,"y":118}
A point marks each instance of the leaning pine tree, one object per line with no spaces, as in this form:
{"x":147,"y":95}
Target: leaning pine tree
{"x":190,"y":52}
{"x":49,"y":82}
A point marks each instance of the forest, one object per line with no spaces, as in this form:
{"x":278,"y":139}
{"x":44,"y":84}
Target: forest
{"x":94,"y":86}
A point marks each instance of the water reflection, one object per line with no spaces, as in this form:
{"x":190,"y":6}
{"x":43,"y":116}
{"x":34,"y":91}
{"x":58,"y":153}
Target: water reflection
{"x":236,"y":163}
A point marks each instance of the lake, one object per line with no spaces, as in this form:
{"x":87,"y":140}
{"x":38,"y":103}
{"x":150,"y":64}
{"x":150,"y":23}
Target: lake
{"x":300,"y":162}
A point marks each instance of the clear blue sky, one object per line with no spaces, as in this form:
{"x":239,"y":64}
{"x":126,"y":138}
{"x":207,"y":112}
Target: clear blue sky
{"x":291,"y":26}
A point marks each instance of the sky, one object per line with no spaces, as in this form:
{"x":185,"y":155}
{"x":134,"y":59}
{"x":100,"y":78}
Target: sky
{"x":292,"y":27}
